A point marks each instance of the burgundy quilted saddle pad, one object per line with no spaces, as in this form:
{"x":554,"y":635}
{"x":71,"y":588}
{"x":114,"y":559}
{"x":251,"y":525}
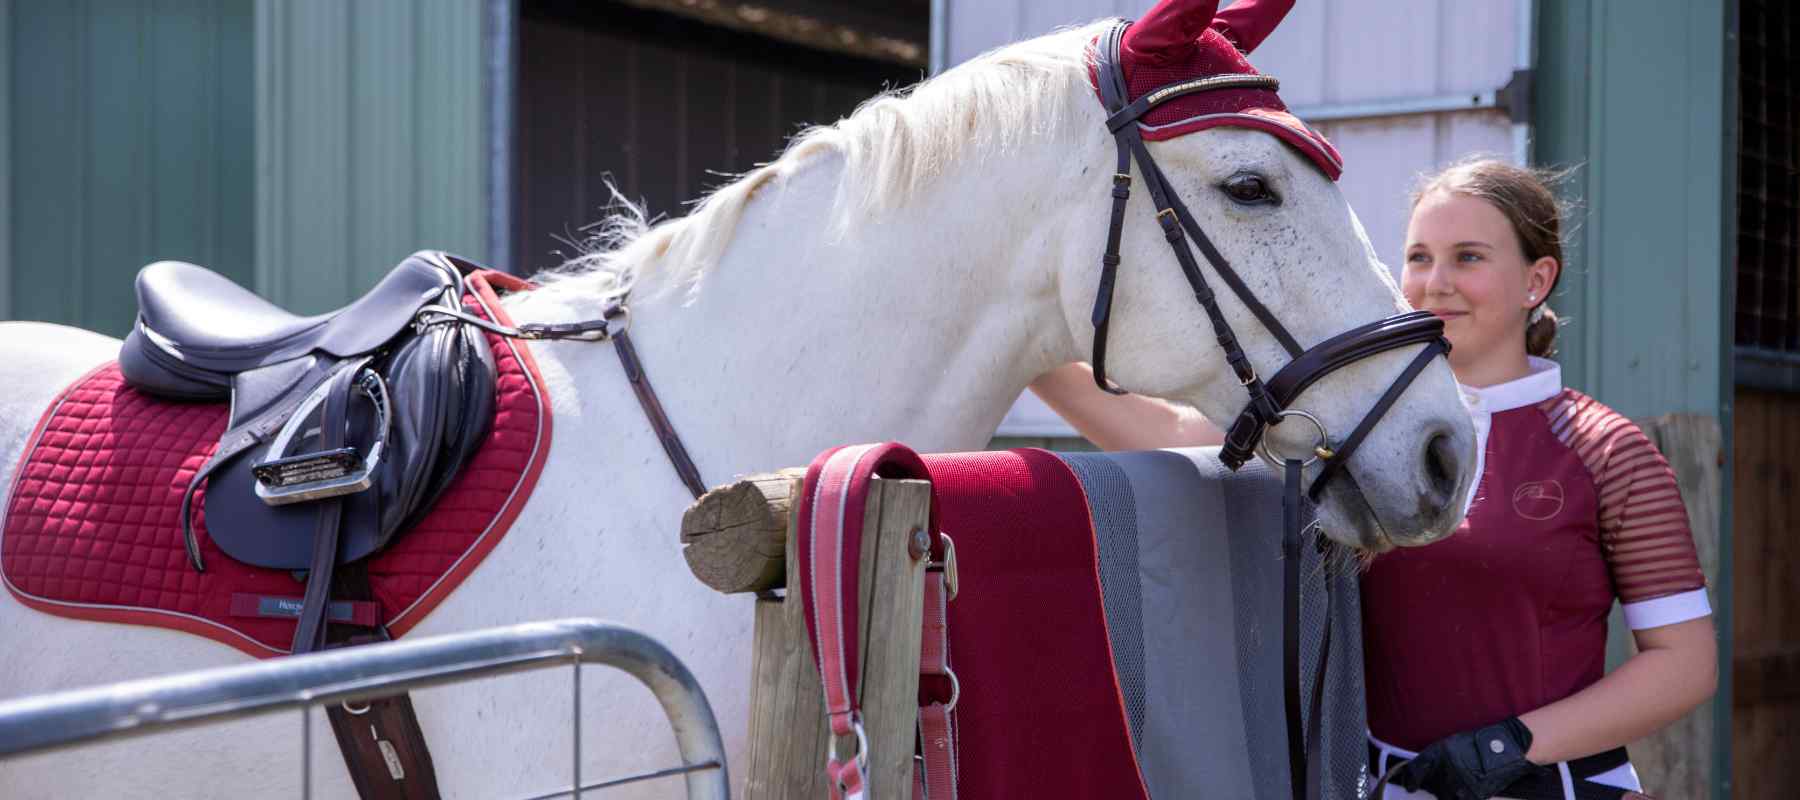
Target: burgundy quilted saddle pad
{"x":92,"y":527}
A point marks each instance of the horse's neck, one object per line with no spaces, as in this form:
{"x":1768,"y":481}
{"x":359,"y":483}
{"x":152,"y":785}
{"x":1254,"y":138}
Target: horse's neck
{"x":921,"y":325}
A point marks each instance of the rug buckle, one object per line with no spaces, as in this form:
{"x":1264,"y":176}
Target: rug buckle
{"x":947,"y":566}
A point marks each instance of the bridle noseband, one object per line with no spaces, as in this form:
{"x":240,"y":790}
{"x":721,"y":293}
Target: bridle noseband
{"x":1270,"y":401}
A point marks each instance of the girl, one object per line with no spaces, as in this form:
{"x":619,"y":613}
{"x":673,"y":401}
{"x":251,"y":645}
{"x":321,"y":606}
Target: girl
{"x":1484,"y":653}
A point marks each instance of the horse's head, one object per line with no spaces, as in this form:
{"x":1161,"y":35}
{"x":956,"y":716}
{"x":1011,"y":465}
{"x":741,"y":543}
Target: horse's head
{"x":1261,"y":187}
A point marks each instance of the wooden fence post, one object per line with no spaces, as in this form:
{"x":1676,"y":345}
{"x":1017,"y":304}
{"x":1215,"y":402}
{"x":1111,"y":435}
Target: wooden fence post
{"x":733,"y":536}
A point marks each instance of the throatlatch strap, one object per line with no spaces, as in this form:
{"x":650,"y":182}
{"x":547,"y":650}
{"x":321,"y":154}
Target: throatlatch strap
{"x":1109,"y":269}
{"x":1112,"y":90}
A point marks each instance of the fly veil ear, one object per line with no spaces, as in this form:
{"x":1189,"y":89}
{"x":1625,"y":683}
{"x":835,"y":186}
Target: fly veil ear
{"x":1185,"y":40}
{"x":1168,"y":34}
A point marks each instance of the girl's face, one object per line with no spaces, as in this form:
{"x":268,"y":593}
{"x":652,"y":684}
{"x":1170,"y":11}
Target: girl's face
{"x":1464,"y":263}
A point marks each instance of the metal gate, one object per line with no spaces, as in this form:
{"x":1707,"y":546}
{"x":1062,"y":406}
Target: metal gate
{"x":133,"y":708}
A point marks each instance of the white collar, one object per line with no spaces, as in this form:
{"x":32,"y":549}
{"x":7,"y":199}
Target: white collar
{"x":1543,"y":382}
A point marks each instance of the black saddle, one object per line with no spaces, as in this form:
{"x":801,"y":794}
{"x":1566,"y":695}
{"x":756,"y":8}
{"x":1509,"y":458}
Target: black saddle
{"x":344,"y":427}
{"x":203,"y":328}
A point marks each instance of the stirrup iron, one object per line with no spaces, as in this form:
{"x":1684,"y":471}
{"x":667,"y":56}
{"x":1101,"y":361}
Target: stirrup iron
{"x":283,"y":479}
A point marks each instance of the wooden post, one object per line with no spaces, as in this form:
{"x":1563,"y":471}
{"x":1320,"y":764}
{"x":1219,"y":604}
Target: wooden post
{"x":736,"y":535}
{"x":788,"y":735}
{"x":1676,"y":761}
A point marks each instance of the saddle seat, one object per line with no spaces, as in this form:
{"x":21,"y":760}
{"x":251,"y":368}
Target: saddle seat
{"x":197,"y":328}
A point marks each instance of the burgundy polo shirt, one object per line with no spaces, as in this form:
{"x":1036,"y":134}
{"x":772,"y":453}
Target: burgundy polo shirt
{"x":1574,"y":508}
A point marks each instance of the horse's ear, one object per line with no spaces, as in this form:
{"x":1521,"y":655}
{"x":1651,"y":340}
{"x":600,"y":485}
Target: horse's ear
{"x":1170,"y":31}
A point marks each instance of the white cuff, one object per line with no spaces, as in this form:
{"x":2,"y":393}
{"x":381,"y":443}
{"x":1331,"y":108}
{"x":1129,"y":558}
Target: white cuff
{"x":1668,"y":610}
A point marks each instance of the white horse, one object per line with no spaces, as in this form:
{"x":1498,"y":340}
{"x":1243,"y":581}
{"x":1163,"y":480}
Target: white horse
{"x":900,"y":275}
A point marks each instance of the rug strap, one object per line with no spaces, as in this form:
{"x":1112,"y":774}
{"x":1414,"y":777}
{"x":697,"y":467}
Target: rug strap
{"x":934,"y":776}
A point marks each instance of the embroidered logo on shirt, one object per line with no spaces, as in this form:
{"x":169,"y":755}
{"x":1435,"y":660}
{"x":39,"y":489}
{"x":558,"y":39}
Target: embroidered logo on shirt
{"x":1538,"y":499}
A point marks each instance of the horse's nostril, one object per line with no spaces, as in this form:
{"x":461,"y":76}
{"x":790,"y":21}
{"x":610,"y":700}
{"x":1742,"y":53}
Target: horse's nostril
{"x":1440,"y":469}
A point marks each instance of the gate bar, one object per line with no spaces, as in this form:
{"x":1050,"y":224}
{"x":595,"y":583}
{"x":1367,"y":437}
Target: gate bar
{"x":59,"y":720}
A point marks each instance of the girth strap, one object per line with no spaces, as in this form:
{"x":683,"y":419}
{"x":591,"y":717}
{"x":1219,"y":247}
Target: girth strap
{"x":384,"y":749}
{"x":829,"y":559}
{"x":380,"y":739}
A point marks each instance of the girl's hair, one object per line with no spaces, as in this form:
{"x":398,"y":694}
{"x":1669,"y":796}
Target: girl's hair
{"x":1523,"y":195}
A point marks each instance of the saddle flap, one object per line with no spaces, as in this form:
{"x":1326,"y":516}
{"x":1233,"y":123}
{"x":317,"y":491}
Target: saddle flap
{"x":441,"y":386}
{"x":281,"y":536}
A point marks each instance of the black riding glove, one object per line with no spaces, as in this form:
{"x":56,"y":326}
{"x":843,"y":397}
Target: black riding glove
{"x":1473,"y":765}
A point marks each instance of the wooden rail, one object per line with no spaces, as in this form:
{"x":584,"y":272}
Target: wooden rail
{"x":737,"y":539}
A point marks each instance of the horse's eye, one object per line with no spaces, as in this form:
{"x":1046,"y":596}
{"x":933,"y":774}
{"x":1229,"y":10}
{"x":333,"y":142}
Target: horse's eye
{"x":1249,"y":189}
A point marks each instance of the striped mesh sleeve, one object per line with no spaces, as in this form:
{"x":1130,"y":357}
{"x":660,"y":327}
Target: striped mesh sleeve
{"x":1643,"y":523}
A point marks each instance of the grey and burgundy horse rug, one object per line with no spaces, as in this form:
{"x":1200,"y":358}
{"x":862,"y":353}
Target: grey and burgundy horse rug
{"x":1117,"y":628}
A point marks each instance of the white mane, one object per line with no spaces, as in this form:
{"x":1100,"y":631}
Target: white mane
{"x":890,"y":148}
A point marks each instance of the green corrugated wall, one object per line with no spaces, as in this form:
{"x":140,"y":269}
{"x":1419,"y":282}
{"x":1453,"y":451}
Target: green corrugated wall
{"x":1632,"y":93}
{"x":303,"y":148}
{"x":369,"y":141}
{"x":127,"y":138}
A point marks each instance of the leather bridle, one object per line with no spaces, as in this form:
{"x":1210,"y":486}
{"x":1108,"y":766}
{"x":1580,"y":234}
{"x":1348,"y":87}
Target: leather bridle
{"x":1270,"y":402}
